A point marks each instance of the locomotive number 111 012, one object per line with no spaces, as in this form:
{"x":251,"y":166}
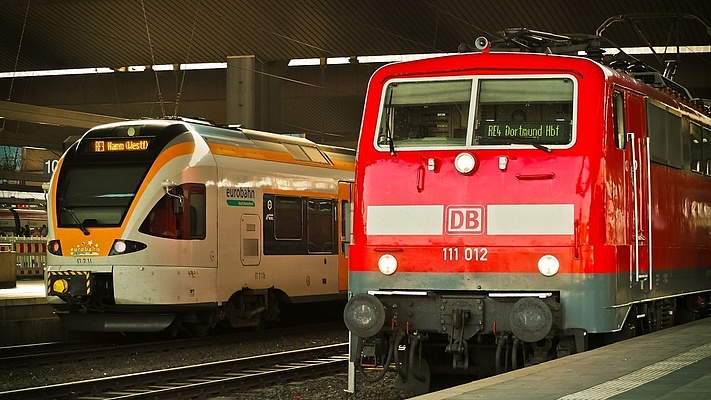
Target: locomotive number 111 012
{"x":466,"y":253}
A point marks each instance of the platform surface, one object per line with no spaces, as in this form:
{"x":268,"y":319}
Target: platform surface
{"x":25,"y":289}
{"x":671,"y":364}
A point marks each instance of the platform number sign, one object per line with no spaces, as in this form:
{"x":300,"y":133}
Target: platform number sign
{"x":49,"y":167}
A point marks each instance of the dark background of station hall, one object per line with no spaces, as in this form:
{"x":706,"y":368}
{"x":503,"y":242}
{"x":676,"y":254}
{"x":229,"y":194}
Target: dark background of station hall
{"x":323,"y":101}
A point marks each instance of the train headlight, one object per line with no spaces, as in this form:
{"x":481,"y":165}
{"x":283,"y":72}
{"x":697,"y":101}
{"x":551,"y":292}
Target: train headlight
{"x":548,"y":265}
{"x":387,"y":264}
{"x":119,"y":247}
{"x":364,"y":315}
{"x":465,"y":163}
{"x":122,"y":246}
{"x":54,"y":247}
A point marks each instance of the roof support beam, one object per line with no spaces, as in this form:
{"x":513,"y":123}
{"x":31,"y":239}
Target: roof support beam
{"x":52,"y":116}
{"x":23,"y":176}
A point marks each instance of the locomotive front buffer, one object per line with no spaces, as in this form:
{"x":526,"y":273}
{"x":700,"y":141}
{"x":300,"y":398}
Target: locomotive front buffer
{"x":391,"y":327}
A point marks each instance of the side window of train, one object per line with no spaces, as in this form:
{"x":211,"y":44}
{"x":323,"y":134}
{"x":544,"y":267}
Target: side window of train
{"x":706,"y":151}
{"x":696,"y":144}
{"x":664,"y":128}
{"x":618,"y":115}
{"x":196,"y":210}
{"x":345,"y":226}
{"x":283,"y":225}
{"x":299,"y":225}
{"x":288,"y":218}
{"x":321,"y":227}
{"x":170,"y":219}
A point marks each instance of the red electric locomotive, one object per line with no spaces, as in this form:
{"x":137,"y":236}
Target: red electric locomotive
{"x":514,"y":207}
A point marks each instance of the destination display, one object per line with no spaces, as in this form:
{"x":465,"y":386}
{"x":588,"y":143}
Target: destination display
{"x":117,"y":145}
{"x":544,"y":131}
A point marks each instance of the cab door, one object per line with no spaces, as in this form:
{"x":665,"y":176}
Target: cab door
{"x":638,"y":190}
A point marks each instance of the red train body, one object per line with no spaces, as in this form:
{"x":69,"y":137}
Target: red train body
{"x":511,"y":205}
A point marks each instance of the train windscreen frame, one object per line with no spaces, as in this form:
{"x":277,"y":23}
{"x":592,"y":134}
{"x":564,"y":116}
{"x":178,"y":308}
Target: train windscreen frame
{"x":478,"y":111}
{"x":97,"y":184}
{"x":87,"y":194}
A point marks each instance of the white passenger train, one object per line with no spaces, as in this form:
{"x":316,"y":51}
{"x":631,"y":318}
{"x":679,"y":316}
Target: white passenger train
{"x":160,"y":223}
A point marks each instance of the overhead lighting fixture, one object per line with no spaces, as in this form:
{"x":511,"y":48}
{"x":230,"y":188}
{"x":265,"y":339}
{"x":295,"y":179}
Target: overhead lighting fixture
{"x":55,"y":72}
{"x":200,"y":66}
{"x":307,"y":62}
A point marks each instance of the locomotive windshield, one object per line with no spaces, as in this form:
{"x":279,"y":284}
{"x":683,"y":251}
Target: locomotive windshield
{"x":103,"y":171}
{"x":87,"y":196}
{"x":505,"y":111}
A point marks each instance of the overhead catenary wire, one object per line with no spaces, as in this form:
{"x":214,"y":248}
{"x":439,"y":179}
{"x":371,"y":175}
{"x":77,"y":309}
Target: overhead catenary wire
{"x":19,"y":48}
{"x":153,"y":59}
{"x":187,"y":59}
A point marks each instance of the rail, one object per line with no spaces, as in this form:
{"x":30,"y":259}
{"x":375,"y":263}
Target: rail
{"x":202,"y":380}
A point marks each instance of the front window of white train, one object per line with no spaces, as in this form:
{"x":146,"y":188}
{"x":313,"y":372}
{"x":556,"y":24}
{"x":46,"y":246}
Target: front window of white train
{"x":480,"y":111}
{"x":88,"y":196}
{"x":102,"y":172}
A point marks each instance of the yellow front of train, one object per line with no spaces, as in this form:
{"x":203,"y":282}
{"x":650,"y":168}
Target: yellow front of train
{"x":129,"y":240}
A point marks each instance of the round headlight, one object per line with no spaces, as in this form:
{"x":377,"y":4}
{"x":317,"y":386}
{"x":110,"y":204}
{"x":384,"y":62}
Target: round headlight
{"x":364,"y":315}
{"x":387,"y":264}
{"x":54,"y":247}
{"x":548,"y":265}
{"x":119,"y":246}
{"x":465,"y":163}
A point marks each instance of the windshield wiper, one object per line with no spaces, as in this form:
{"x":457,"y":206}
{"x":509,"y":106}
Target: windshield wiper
{"x":75,"y":218}
{"x":388,"y":132}
{"x":513,"y":140}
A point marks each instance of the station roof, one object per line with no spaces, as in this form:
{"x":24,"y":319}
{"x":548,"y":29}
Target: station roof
{"x":53,"y":34}
{"x":62,"y":34}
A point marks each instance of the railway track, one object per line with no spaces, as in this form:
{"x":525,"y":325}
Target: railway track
{"x":199,"y":381}
{"x":59,"y":352}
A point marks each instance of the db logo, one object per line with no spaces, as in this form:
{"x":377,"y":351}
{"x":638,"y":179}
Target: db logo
{"x":465,"y":220}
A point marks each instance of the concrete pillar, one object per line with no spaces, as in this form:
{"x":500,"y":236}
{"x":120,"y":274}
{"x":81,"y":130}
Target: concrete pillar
{"x":254,"y":93}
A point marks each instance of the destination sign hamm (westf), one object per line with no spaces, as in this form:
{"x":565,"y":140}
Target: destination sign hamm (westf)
{"x":107,"y":146}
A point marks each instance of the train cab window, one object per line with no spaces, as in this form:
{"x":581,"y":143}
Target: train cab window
{"x":425,"y":114}
{"x":86,"y":197}
{"x":696,"y":144}
{"x":525,"y":110}
{"x":179,"y":215}
{"x":618,"y":115}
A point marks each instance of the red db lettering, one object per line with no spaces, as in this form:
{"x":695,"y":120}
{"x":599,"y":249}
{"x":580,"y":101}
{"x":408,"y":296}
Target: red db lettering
{"x":465,"y":220}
